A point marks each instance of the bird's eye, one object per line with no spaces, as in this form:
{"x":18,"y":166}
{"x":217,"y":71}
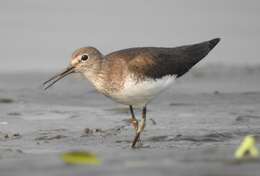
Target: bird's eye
{"x":84,"y":57}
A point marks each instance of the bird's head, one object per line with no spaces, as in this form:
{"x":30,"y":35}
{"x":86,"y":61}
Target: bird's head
{"x":83,"y":60}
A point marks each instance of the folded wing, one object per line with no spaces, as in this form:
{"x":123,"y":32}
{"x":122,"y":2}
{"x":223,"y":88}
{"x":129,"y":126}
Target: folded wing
{"x":158,"y":62}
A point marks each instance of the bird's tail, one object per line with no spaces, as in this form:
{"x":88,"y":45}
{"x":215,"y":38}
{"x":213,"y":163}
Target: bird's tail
{"x":192,"y":54}
{"x":198,"y":51}
{"x":213,"y":43}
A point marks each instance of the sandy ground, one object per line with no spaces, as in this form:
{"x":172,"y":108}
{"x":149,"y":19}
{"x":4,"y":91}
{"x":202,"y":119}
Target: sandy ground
{"x":192,"y":129}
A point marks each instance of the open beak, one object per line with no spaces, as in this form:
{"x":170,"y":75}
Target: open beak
{"x":47,"y":84}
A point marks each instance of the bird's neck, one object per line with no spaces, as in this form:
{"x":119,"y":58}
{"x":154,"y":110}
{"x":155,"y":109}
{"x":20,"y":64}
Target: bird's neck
{"x":94,"y":74}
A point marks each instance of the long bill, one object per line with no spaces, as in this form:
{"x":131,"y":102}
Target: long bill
{"x":47,"y":84}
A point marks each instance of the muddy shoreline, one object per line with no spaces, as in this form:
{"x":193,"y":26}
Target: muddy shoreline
{"x":194,"y":131}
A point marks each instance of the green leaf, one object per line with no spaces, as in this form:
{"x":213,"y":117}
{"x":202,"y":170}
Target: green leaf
{"x":247,"y":148}
{"x":80,"y":158}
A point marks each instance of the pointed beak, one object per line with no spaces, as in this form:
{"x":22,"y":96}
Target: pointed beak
{"x":47,"y":84}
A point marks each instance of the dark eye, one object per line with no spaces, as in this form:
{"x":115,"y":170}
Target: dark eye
{"x":84,"y":57}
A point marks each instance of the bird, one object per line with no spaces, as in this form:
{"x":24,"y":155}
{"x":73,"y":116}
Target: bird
{"x":134,"y":76}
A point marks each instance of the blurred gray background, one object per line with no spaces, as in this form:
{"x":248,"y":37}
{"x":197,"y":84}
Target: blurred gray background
{"x":41,"y":35}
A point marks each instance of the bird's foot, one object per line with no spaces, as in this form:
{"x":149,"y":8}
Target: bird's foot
{"x":137,"y":138}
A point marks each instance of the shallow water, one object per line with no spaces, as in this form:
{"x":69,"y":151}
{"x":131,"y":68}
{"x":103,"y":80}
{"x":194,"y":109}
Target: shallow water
{"x":192,"y":129}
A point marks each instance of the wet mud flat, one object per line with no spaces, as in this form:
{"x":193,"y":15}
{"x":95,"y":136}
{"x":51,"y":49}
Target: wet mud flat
{"x":192,"y":129}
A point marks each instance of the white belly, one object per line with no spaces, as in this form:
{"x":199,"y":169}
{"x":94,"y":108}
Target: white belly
{"x":140,"y":93}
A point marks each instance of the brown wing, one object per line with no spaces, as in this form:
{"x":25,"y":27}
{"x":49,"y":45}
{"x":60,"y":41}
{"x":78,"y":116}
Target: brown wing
{"x":158,"y":62}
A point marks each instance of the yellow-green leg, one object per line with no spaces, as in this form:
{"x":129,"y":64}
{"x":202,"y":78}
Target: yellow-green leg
{"x":140,"y":127}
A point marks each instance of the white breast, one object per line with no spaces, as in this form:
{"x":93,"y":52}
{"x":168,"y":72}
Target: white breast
{"x":141,"y":92}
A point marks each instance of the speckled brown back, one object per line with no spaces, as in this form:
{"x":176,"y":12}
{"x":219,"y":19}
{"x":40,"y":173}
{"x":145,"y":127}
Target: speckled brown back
{"x":155,"y":62}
